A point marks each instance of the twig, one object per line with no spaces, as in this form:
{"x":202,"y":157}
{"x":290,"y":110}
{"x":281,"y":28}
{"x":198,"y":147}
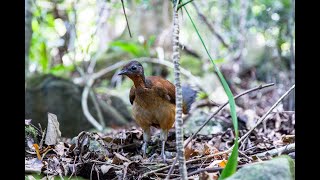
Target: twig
{"x":243,"y":154}
{"x":216,"y":112}
{"x":97,"y":107}
{"x":42,"y":139}
{"x":285,"y":149}
{"x":125,"y":15}
{"x":267,"y":113}
{"x":164,"y":175}
{"x":215,"y":169}
{"x":97,"y":171}
{"x":213,"y":31}
{"x":189,"y":161}
{"x":73,"y":167}
{"x":84,"y":104}
{"x":92,"y":170}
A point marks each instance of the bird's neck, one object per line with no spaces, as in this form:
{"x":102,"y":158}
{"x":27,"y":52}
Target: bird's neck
{"x":139,"y":81}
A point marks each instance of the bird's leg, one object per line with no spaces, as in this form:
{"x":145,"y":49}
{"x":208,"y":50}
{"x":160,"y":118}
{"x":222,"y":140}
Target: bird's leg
{"x":146,"y":139}
{"x":163,"y":137}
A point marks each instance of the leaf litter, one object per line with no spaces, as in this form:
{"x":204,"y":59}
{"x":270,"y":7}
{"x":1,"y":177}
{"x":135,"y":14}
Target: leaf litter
{"x":118,"y":155}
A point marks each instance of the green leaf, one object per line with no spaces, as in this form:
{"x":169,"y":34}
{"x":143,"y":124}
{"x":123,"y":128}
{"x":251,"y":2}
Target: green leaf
{"x":60,"y":69}
{"x":219,"y":61}
{"x":151,"y":41}
{"x":44,"y":62}
{"x":50,"y":20}
{"x":129,"y":47}
{"x":35,"y":25}
{"x":233,"y":159}
{"x":232,"y":167}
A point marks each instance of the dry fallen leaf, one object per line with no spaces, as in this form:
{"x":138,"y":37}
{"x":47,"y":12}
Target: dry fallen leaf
{"x":189,"y":150}
{"x":33,"y":164}
{"x":53,"y":131}
{"x":60,"y":149}
{"x":105,"y":168}
{"x":223,"y":163}
{"x":118,"y":159}
{"x":287,"y":139}
{"x":27,"y":121}
{"x":36,"y":147}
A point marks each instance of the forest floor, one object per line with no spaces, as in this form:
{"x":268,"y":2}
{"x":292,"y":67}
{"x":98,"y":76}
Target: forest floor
{"x":117,"y":154}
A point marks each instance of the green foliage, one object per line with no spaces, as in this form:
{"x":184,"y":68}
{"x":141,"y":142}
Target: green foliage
{"x":130,"y":47}
{"x":202,"y":95}
{"x":135,"y":49}
{"x":61,"y":70}
{"x":233,"y":159}
{"x":231,"y":167}
{"x":45,"y":40}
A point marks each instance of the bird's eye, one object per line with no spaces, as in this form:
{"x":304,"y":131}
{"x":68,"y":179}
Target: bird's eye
{"x":133,"y":68}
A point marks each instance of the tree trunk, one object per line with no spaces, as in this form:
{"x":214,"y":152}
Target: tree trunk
{"x":179,"y":120}
{"x":28,"y":33}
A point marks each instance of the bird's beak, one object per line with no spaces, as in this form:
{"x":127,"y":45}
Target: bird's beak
{"x":123,"y":72}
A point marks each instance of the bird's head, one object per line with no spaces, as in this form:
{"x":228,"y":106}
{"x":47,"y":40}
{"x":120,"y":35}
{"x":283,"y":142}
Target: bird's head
{"x":133,"y":70}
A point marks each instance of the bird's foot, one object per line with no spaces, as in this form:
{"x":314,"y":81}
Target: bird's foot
{"x":151,"y":158}
{"x":144,"y":149}
{"x":163,"y":155}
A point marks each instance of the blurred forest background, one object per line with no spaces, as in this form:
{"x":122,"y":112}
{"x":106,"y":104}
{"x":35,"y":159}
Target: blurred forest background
{"x":252,"y":42}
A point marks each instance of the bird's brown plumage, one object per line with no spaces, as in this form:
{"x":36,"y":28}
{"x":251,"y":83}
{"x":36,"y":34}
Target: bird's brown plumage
{"x":153,"y":101}
{"x":154,"y":104}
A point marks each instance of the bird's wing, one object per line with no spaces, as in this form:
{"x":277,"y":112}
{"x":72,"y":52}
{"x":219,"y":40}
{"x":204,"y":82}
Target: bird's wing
{"x":164,"y":88}
{"x":132,"y":94}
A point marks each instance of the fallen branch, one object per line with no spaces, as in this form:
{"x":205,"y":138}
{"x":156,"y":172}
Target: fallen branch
{"x":215,"y":169}
{"x":216,"y":112}
{"x":267,"y":113}
{"x":277,"y":151}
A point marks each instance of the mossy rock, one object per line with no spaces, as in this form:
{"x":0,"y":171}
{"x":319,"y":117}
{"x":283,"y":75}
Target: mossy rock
{"x":279,"y":168}
{"x":48,"y":93}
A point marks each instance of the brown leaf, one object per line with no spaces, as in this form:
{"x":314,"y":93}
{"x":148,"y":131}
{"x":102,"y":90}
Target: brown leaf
{"x":36,"y":147}
{"x":288,"y":139}
{"x":223,"y":163}
{"x":118,"y":158}
{"x":189,"y":150}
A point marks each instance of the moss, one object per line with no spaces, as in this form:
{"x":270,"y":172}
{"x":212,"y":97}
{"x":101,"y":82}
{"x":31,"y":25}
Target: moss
{"x":31,"y":132}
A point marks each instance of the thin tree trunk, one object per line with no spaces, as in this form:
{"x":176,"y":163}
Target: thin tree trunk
{"x":179,"y":120}
{"x":242,"y":29}
{"x":28,"y":33}
{"x":292,"y":52}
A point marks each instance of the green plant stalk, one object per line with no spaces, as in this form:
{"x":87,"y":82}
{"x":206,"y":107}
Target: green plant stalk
{"x":232,"y":161}
{"x":183,"y":4}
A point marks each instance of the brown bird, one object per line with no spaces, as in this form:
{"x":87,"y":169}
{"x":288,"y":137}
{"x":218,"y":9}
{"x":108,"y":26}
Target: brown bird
{"x":153,"y":102}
